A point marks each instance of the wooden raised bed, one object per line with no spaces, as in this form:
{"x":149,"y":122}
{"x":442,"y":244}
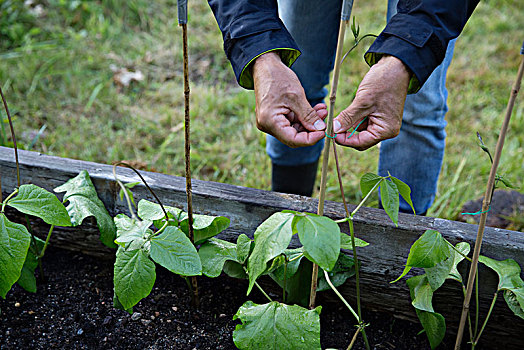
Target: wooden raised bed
{"x":382,"y":260}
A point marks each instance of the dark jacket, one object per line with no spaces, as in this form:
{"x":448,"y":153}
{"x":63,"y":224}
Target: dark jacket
{"x":418,"y":34}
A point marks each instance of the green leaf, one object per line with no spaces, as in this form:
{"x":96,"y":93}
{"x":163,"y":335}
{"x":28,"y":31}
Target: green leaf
{"x":404,"y":191}
{"x":320,"y":237}
{"x":118,"y":305}
{"x":205,"y":226}
{"x":27,"y":278}
{"x":36,"y":201}
{"x":464,"y":248}
{"x":244,"y":244}
{"x":368,"y":182}
{"x":389,"y":196}
{"x":214,"y":253}
{"x":174,"y":251}
{"x":272,"y":237}
{"x":84,"y":202}
{"x":344,"y":269}
{"x":152,"y":211}
{"x":277,"y":326}
{"x":515,"y":300}
{"x":433,"y":323}
{"x":345,"y":242}
{"x":508,"y":271}
{"x":128,"y":187}
{"x":427,"y":251}
{"x":421,"y":293}
{"x":438,"y":274}
{"x":283,"y":272}
{"x":235,"y":270}
{"x":134,"y":276}
{"x":14,"y":243}
{"x":129,"y":230}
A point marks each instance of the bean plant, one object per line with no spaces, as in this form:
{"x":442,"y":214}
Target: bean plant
{"x":21,"y":252}
{"x":439,"y":259}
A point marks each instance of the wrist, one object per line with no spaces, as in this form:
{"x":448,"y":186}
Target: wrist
{"x":396,"y":65}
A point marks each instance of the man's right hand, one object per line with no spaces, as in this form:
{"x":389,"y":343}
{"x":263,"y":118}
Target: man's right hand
{"x":282,"y":109}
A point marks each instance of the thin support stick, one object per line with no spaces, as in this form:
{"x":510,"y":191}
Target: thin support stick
{"x":353,"y":247}
{"x":187,"y":152}
{"x":13,"y":136}
{"x":486,"y":203}
{"x":325,"y":160}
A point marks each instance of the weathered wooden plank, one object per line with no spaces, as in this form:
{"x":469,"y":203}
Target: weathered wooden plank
{"x":382,"y":260}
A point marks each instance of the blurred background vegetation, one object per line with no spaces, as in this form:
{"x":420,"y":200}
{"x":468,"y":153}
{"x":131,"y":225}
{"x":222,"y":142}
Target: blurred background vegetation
{"x":63,"y":65}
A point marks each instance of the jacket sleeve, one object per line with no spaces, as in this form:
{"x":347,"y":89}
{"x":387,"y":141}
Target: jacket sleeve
{"x":419,"y":34}
{"x":251,"y":28}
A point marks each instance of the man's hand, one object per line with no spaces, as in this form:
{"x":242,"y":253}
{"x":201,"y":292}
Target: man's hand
{"x":282,"y":109}
{"x":380,"y":97}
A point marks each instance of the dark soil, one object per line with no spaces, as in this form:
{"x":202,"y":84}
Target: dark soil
{"x":73,"y":310}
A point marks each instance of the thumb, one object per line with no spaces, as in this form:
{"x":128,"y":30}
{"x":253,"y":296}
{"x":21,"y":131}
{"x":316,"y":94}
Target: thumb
{"x":307,"y":115}
{"x":351,"y":115}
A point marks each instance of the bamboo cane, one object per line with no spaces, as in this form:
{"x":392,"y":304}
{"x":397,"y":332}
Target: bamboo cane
{"x":487,"y":201}
{"x":346,"y":14}
{"x":182,"y":21}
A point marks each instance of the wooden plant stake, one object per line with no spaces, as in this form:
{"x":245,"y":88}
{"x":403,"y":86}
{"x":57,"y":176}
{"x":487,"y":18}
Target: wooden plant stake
{"x":346,"y":14}
{"x":487,"y":202}
{"x":182,"y":21}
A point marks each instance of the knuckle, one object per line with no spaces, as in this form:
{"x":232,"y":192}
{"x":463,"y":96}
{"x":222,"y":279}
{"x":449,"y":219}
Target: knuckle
{"x":309,"y":116}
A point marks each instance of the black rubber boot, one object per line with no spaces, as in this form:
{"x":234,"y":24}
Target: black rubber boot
{"x":294,"y":179}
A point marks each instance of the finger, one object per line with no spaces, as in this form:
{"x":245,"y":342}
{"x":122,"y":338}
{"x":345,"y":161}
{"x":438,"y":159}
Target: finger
{"x":360,"y":141}
{"x":294,"y":138}
{"x":292,"y":135}
{"x":319,"y":106}
{"x":306,"y":115}
{"x":352,"y":115}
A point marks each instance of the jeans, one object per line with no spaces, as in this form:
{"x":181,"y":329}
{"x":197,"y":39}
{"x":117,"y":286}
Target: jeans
{"x":415,"y":155}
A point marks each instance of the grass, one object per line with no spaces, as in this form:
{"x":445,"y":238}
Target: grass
{"x":55,"y":71}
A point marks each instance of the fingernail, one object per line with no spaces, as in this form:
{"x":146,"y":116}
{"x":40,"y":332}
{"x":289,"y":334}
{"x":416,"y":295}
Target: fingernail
{"x":336,"y":126}
{"x":319,"y":125}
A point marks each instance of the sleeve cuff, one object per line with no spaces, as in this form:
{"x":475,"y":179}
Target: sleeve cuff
{"x":287,"y":55}
{"x":413,"y":42}
{"x":245,"y":44}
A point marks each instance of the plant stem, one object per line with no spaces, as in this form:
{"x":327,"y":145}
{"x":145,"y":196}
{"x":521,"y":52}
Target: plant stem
{"x":365,"y":199}
{"x":285,"y":281}
{"x":325,"y":160}
{"x":458,"y":251}
{"x":7,"y":199}
{"x":145,"y":184}
{"x":356,"y":44}
{"x":261,"y":290}
{"x":326,"y":275}
{"x":486,"y":203}
{"x":41,"y":254}
{"x":350,"y":346}
{"x":487,"y":318}
{"x":477,"y":306}
{"x":124,"y":189}
{"x":357,"y":280}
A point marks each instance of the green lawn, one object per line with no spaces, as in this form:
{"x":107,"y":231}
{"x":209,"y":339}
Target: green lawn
{"x":55,"y":71}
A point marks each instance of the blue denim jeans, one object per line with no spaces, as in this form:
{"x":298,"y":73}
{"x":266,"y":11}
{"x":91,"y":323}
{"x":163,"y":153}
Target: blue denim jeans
{"x":415,"y":155}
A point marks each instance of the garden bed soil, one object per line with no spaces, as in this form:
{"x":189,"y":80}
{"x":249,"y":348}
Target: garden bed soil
{"x":73,"y":309}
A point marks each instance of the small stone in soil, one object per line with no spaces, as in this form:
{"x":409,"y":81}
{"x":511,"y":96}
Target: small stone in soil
{"x":136,"y":316}
{"x":17,"y":304}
